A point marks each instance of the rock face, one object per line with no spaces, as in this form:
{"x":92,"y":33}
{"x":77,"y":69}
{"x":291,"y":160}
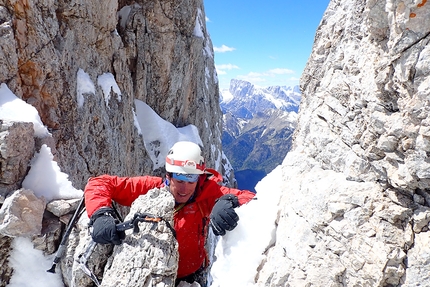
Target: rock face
{"x":157,"y":51}
{"x":150,"y":257}
{"x":17,"y":147}
{"x":355,"y":209}
{"x":5,"y":271}
{"x":146,"y":258}
{"x":58,"y":55}
{"x":21,"y":214}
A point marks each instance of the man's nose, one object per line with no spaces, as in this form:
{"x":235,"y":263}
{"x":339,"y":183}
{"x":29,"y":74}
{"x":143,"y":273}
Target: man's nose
{"x":182,"y":186}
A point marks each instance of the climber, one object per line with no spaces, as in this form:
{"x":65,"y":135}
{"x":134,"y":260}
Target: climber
{"x":200,"y":202}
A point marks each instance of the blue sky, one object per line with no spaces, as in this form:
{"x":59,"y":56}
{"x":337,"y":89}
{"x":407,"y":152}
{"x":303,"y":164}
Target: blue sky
{"x":265,"y":43}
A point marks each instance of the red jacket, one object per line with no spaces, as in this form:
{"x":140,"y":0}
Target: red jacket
{"x":190,"y":222}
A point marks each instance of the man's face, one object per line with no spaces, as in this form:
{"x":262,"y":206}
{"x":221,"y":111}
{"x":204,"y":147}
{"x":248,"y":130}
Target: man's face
{"x":182,"y":190}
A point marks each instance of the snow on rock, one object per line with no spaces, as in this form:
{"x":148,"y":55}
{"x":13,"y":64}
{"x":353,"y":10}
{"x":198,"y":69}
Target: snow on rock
{"x":239,"y":253}
{"x":160,"y":135}
{"x":84,"y":85}
{"x":46,"y":179}
{"x":14,"y":109}
{"x":25,"y":260}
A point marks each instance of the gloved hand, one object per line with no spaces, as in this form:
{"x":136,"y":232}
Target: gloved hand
{"x":104,"y":227}
{"x":223,"y":217}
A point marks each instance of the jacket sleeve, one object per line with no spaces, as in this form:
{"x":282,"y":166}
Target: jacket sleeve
{"x":102,"y":190}
{"x":212,"y":191}
{"x":211,"y":188}
{"x":244,"y":196}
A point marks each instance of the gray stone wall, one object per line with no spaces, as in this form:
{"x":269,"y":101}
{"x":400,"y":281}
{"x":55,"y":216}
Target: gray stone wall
{"x":159,"y":52}
{"x":355,"y":209}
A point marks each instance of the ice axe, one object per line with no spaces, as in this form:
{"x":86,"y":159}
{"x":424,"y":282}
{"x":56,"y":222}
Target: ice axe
{"x":62,"y":248}
{"x":83,"y":262}
{"x":129,"y":224}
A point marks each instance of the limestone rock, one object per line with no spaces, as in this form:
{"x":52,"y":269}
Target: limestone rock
{"x":77,"y":245}
{"x":355,"y":208}
{"x":16,"y":150}
{"x":157,"y":51}
{"x":8,"y":54}
{"x":62,"y":206}
{"x":21,"y":214}
{"x":149,"y":258}
{"x":369,"y":96}
{"x":50,"y":236}
{"x":5,"y":270}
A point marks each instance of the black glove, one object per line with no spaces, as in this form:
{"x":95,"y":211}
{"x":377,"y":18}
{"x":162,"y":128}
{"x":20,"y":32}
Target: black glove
{"x":104,"y":227}
{"x":223,"y":217}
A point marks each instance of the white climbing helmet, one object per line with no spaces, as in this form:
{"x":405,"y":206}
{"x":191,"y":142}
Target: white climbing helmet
{"x":185,"y":157}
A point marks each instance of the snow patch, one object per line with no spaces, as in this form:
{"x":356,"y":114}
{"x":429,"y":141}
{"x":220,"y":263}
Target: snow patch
{"x":226,"y":96}
{"x":46,"y":180}
{"x":25,"y":260}
{"x":160,"y":135}
{"x":107,"y":82}
{"x":123,"y":15}
{"x":14,"y":109}
{"x":239,"y":253}
{"x":198,"y":31}
{"x":84,"y":85}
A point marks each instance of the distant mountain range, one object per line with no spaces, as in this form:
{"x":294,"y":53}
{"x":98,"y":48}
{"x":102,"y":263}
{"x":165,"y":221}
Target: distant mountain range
{"x":258,"y":128}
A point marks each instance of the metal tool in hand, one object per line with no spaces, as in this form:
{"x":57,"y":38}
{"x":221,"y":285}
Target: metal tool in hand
{"x":129,"y":224}
{"x":62,"y":248}
{"x":83,"y":262}
{"x":134,"y":222}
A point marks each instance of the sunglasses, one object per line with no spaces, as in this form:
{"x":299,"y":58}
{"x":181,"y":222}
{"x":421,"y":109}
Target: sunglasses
{"x":185,"y":177}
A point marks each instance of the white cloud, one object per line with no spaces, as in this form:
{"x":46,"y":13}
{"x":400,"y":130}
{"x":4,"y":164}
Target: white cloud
{"x":294,"y":79}
{"x":224,"y":49}
{"x":261,"y":77}
{"x":252,"y":77}
{"x":222,"y":69}
{"x":279,"y":71}
{"x":226,"y":67}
